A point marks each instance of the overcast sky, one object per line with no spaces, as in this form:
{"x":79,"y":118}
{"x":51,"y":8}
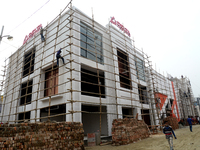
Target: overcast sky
{"x":167,"y":30}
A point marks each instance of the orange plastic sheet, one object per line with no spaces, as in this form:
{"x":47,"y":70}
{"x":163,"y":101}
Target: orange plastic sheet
{"x":162,"y":98}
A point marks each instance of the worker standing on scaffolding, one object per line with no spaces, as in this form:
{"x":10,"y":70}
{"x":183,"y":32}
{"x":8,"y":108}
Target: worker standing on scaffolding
{"x":59,"y":56}
{"x":168,"y":131}
{"x":41,"y":33}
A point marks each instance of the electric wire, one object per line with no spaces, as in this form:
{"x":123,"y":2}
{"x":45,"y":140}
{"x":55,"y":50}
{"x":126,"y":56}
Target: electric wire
{"x":9,"y":44}
{"x":28,"y":17}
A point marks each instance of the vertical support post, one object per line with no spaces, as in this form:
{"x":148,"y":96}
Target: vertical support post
{"x":71,"y":85}
{"x":41,"y":61}
{"x":100,"y":103}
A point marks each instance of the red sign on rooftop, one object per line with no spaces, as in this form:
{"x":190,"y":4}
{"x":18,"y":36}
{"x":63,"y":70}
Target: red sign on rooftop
{"x":120,"y":26}
{"x":36,"y":30}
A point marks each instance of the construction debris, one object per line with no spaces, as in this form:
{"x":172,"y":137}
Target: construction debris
{"x":125,"y":131}
{"x":45,"y":136}
{"x":172,"y":122}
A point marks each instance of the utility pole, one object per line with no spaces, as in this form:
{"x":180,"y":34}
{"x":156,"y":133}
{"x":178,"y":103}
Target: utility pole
{"x":1,"y":36}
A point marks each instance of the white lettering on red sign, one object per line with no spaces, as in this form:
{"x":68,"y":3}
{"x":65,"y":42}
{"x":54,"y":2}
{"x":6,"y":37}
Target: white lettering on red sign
{"x":36,"y":30}
{"x":120,"y":26}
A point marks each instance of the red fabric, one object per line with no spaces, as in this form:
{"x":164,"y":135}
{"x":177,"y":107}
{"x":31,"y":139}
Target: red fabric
{"x":162,"y":99}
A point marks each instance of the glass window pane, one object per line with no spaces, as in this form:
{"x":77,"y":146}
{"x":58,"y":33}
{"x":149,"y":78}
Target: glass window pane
{"x":91,"y":48}
{"x":99,"y":58}
{"x":83,"y":37}
{"x":83,"y":30}
{"x":83,"y":53}
{"x":98,"y":43}
{"x":99,"y":50}
{"x":140,"y":69}
{"x":91,"y":43}
{"x":91,"y":55}
{"x":83,"y":45}
{"x":90,"y":34}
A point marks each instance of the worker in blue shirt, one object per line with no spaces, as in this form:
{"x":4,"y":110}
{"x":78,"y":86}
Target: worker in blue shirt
{"x":168,"y":131}
{"x":189,"y":120}
{"x":59,"y":56}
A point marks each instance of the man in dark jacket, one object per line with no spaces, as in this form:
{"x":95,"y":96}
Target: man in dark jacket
{"x":41,"y":33}
{"x":59,"y":56}
{"x":168,"y":131}
{"x":189,"y":120}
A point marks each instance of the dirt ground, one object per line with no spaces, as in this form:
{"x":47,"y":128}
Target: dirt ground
{"x":186,"y":140}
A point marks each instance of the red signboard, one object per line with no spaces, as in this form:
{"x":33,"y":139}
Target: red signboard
{"x":36,"y":30}
{"x":120,"y":26}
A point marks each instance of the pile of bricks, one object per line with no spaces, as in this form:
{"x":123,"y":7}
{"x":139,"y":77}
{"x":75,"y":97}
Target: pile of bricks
{"x":125,"y":131}
{"x":43,"y":136}
{"x":173,"y":122}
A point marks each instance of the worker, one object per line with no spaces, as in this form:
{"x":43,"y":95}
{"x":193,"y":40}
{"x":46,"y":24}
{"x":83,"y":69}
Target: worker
{"x":159,"y":102}
{"x":168,"y":131}
{"x":189,"y":120}
{"x":41,"y":33}
{"x":59,"y":56}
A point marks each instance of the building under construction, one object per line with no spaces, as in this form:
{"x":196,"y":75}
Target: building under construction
{"x":103,"y":77}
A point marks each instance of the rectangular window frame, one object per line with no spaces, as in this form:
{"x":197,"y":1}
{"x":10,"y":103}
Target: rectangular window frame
{"x":143,"y":95}
{"x":91,"y":43}
{"x":29,"y":59}
{"x":124,"y":69}
{"x":90,"y":79}
{"x":26,"y":92}
{"x":140,"y":69}
{"x":27,"y":116}
{"x":54,"y":110}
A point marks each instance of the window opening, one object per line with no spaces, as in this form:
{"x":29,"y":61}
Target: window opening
{"x":26,"y":93}
{"x":127,"y":113}
{"x":140,"y":68}
{"x":171,"y":102}
{"x":29,"y":59}
{"x":90,"y":85}
{"x":91,"y":121}
{"x":91,"y":44}
{"x":124,"y":72}
{"x":24,"y":116}
{"x":54,"y":110}
{"x":142,"y":90}
{"x":146,"y":116}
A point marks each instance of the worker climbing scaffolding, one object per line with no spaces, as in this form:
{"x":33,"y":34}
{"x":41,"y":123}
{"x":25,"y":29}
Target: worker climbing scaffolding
{"x":41,"y":33}
{"x":59,"y":56}
{"x":91,"y":71}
